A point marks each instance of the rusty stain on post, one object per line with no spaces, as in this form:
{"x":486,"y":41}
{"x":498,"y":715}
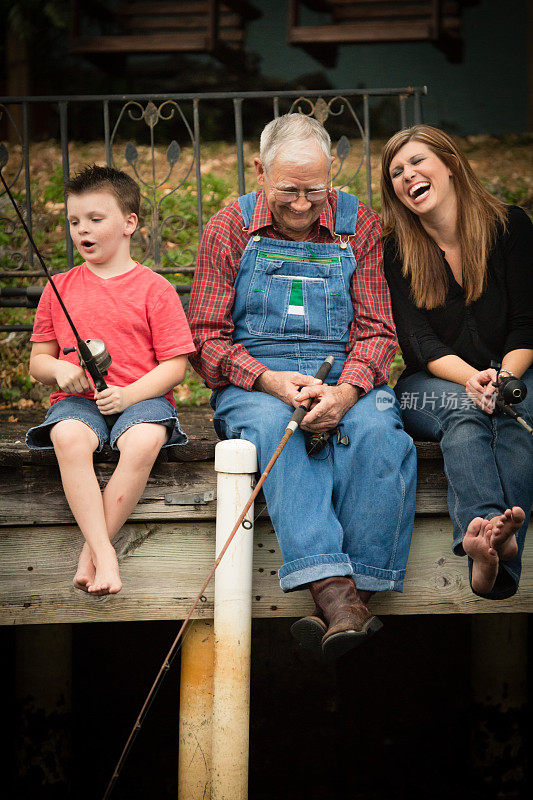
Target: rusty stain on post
{"x":196,"y":703}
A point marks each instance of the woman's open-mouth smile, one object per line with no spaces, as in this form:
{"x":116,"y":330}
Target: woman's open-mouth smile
{"x":419,"y":191}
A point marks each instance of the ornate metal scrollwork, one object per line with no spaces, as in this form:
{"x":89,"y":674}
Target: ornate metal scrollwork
{"x":150,"y":235}
{"x":12,"y":260}
{"x":321,"y":110}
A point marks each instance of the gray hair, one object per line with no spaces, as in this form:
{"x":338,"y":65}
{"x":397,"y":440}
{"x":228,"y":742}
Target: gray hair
{"x":292,"y":132}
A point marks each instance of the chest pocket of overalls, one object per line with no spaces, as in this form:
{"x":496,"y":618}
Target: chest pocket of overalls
{"x":297,"y":298}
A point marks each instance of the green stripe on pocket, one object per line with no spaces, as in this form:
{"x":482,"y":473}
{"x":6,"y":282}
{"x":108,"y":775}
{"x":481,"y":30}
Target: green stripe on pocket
{"x":297,"y":296}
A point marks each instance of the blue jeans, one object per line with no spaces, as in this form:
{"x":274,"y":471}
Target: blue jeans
{"x":156,"y":409}
{"x":488,"y":458}
{"x":350,"y":510}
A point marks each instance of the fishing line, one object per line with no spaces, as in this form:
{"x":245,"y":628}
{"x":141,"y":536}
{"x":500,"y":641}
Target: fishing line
{"x":92,"y":353}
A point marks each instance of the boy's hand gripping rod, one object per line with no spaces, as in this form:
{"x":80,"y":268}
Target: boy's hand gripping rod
{"x":97,"y":362}
{"x":292,"y":425}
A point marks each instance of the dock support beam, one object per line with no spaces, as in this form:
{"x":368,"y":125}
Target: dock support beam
{"x":499,"y":691}
{"x":43,"y":690}
{"x":236,"y":464}
{"x":196,"y":706}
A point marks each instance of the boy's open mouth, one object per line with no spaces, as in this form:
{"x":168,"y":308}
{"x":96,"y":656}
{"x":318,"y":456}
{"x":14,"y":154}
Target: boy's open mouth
{"x":86,"y":243}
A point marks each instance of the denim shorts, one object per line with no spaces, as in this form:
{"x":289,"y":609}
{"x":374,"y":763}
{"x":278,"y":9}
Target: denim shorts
{"x":157,"y":409}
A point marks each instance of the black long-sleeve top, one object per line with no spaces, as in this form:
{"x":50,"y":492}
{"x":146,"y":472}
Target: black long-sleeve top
{"x":499,"y":321}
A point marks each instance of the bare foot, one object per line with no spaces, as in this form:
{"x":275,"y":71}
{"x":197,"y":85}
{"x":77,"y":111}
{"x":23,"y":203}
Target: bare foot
{"x":477,"y":545}
{"x":504,"y":528}
{"x":86,"y":570}
{"x":107,"y":579}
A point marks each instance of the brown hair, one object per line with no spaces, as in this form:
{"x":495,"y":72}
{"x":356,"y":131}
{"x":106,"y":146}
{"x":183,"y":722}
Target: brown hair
{"x":106,"y":179}
{"x":478,"y":216}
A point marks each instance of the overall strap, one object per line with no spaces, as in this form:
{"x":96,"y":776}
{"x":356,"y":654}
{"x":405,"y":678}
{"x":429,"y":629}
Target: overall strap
{"x":247,"y":203}
{"x":346,"y":216}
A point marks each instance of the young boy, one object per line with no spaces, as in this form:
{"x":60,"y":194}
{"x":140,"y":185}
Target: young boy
{"x":139,"y":316}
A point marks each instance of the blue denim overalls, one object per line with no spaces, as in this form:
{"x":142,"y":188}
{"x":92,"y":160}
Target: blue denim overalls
{"x":351,"y":510}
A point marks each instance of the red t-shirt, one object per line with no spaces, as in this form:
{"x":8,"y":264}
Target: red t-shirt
{"x":138,"y":315}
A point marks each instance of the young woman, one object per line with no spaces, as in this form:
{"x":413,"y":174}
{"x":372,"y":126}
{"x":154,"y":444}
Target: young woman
{"x":459,"y":264}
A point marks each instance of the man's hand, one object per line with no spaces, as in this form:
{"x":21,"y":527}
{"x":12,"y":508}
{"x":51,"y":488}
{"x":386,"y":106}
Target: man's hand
{"x":284,"y":385}
{"x":329,"y":405}
{"x":480,"y":389}
{"x":71,"y":378}
{"x":112,"y":400}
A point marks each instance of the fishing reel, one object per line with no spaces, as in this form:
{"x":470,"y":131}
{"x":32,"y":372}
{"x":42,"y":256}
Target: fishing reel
{"x":98,"y":351}
{"x":511,"y":390}
{"x":315,"y":442}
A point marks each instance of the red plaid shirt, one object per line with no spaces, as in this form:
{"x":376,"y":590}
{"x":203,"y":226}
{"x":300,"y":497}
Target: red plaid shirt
{"x":372,"y":342}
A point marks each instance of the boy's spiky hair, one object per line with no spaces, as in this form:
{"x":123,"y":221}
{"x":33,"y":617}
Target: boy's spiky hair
{"x":107,"y":179}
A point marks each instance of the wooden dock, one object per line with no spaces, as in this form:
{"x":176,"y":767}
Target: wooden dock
{"x":166,"y":550}
{"x":167,"y":547}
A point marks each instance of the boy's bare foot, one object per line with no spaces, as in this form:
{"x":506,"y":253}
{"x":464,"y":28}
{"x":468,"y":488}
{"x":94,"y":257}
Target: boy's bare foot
{"x":107,"y":578}
{"x":476,"y":544}
{"x":504,"y":528}
{"x":86,"y":570}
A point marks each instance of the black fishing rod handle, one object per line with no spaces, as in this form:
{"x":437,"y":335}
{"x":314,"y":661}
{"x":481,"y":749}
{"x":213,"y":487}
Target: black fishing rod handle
{"x":324,"y":368}
{"x":301,"y":411}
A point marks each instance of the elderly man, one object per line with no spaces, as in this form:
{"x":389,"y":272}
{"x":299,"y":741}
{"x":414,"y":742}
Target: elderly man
{"x":285,"y":277}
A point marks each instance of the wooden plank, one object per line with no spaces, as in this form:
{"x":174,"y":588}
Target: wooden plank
{"x":245,"y":9}
{"x":177,"y":23}
{"x":141,"y":43}
{"x":363,"y":32}
{"x":395,"y":3}
{"x":163,"y":567}
{"x":196,"y":422}
{"x":157,"y":8}
{"x":393,"y":11}
{"x":33,"y":495}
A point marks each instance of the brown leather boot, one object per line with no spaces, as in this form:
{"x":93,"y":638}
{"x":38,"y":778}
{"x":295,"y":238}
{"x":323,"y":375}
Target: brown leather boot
{"x":350,"y":623}
{"x":309,"y":632}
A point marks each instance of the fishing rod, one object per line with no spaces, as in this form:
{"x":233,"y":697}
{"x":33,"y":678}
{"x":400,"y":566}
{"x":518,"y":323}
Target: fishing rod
{"x":292,"y":425}
{"x":92,"y":353}
{"x":511,"y":391}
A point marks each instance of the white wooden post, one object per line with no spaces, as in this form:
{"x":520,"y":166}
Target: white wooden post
{"x":236,"y":464}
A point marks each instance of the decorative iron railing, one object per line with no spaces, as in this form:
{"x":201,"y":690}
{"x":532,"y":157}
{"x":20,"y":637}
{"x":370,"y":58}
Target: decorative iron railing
{"x":179,"y":119}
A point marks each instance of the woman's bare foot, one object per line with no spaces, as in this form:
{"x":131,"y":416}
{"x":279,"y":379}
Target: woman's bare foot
{"x":504,"y":528}
{"x":476,"y":544}
{"x":107,"y":578}
{"x":86,"y":570}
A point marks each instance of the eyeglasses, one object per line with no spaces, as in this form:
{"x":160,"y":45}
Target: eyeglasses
{"x":313,"y":196}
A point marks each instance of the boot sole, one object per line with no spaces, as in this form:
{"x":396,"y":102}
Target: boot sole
{"x":339,"y":643}
{"x":309,"y":633}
